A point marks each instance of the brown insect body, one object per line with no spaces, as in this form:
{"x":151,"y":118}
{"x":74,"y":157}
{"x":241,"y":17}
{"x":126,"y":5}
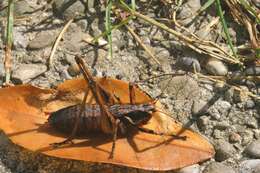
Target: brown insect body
{"x":91,"y":119}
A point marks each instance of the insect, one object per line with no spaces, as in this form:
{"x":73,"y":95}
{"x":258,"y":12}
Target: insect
{"x":103,"y":117}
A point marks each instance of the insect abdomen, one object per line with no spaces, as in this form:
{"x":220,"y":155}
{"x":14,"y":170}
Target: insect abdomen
{"x":64,"y":119}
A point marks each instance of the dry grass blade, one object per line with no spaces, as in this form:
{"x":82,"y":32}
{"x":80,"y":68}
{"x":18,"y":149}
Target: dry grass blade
{"x":242,"y":17}
{"x":201,"y":46}
{"x":54,"y":48}
{"x":137,"y":38}
{"x":222,"y":79}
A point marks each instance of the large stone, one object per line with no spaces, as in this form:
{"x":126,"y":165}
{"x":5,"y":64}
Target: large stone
{"x":42,"y":39}
{"x":216,"y":67}
{"x":253,"y":149}
{"x":224,"y":150}
{"x":26,"y":72}
{"x":22,"y":7}
{"x":253,"y":70}
{"x":68,"y":9}
{"x":250,"y":166}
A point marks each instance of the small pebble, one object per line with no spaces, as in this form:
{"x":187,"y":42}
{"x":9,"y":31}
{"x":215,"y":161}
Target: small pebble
{"x":2,"y":70}
{"x":216,"y":67}
{"x":25,"y":72}
{"x":224,"y":150}
{"x":190,"y":64}
{"x":19,"y":41}
{"x":74,"y":70}
{"x":190,"y":169}
{"x":249,"y":104}
{"x":234,"y":137}
{"x":250,"y":166}
{"x":199,"y":107}
{"x":253,"y":149}
{"x":256,"y":133}
{"x":229,"y":95}
{"x":216,"y":167}
{"x":203,"y":122}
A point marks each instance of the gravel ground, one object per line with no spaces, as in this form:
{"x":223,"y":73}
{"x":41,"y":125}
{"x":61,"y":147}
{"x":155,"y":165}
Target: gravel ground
{"x":231,"y":122}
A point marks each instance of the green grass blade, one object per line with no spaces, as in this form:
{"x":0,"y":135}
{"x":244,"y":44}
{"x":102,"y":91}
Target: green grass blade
{"x":224,"y":24}
{"x":9,"y":40}
{"x":250,"y":9}
{"x":133,"y":4}
{"x":205,"y":6}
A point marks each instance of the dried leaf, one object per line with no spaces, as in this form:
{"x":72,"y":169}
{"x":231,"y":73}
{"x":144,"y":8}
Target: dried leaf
{"x":24,"y":111}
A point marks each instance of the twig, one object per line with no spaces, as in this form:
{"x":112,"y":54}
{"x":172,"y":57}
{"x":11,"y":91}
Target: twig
{"x":57,"y":42}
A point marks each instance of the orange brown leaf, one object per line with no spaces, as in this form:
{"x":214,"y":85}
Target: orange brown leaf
{"x":24,"y":112}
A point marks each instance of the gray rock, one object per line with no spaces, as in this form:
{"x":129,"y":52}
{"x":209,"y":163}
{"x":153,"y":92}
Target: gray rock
{"x":256,"y":133}
{"x":253,"y":149}
{"x":190,"y":169}
{"x":216,"y":67}
{"x":20,"y":41}
{"x":216,"y":167}
{"x":249,"y":104}
{"x":253,"y":70}
{"x":2,"y":69}
{"x":224,"y":150}
{"x":229,"y":94}
{"x":68,"y":9}
{"x":198,"y":107}
{"x":250,"y":166}
{"x":73,"y":38}
{"x":203,"y":122}
{"x":42,"y":39}
{"x":189,"y":9}
{"x":181,"y":87}
{"x":25,"y":72}
{"x":247,"y":137}
{"x":22,"y":7}
{"x":189,"y":64}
